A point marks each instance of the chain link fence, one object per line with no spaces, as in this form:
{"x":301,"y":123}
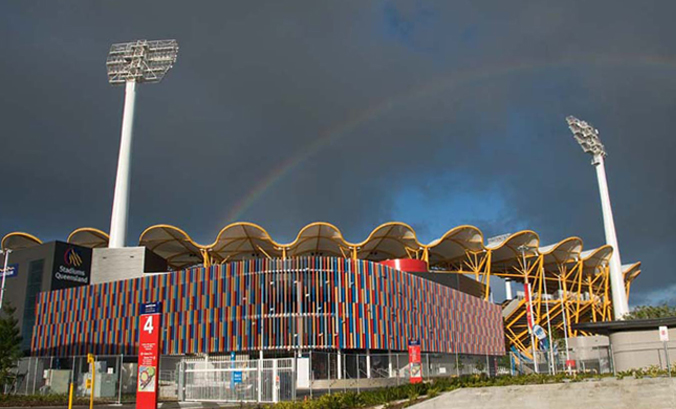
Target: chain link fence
{"x":115,"y":380}
{"x":331,"y":371}
{"x":597,"y":360}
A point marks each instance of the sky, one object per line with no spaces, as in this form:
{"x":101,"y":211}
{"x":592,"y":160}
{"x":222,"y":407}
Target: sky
{"x":435,"y":113}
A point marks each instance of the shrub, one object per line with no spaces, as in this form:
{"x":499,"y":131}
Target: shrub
{"x":412,"y":393}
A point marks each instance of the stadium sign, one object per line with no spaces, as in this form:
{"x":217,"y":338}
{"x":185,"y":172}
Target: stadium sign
{"x":71,"y":266}
{"x":150,"y":328}
{"x":414,"y":361}
{"x":12,"y":270}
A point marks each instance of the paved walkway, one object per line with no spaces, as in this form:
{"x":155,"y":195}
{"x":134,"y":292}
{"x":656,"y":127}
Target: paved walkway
{"x":608,"y":393}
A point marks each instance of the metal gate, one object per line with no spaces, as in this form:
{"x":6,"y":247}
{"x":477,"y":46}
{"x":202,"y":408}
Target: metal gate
{"x":267,"y":380}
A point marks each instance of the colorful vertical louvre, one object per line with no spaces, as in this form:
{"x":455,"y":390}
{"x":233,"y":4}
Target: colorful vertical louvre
{"x":308,"y":303}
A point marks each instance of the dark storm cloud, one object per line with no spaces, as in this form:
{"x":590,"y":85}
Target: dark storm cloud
{"x":434,"y":113}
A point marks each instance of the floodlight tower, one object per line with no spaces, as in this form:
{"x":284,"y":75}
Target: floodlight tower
{"x":588,"y":138}
{"x":129,"y":64}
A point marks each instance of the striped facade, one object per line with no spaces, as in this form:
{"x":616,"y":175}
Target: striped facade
{"x":308,"y":303}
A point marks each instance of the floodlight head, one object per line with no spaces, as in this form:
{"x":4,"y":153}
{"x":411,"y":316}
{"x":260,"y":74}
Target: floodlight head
{"x":523,"y":249}
{"x":587,"y":136}
{"x":140,"y":61}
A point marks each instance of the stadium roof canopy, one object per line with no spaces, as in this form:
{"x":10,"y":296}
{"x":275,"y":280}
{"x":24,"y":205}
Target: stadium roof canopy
{"x":19,"y":241}
{"x":242,"y":240}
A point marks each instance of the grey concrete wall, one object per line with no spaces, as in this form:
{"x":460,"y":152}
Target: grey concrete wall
{"x":640,"y":349}
{"x":587,"y":348}
{"x":15,"y":287}
{"x":604,"y":394}
{"x":117,"y":264}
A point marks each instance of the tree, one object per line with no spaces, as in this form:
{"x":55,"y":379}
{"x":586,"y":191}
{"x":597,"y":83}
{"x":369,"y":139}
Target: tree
{"x":643,"y":312}
{"x":10,"y":343}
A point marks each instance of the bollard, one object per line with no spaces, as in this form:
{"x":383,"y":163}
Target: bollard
{"x":91,"y":361}
{"x":70,"y":396}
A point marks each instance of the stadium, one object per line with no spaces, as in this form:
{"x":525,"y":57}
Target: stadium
{"x":247,"y":293}
{"x":317,"y":309}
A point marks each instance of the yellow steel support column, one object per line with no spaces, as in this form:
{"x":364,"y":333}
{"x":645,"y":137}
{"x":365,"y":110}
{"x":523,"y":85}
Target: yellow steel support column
{"x":487,"y":273}
{"x":206,"y":260}
{"x":598,"y":291}
{"x":628,"y":285}
{"x":607,"y":304}
{"x":578,"y":296}
{"x":591,"y":298}
{"x":529,"y":304}
{"x":541,"y":273}
{"x":263,"y":251}
{"x":565,"y":274}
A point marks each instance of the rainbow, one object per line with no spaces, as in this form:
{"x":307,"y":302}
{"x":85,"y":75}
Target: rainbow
{"x":463,"y":78}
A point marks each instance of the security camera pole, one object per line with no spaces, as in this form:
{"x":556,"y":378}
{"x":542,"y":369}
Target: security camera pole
{"x":588,"y":138}
{"x":129,"y":64}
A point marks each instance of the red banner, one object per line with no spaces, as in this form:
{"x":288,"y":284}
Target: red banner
{"x":415,"y":368}
{"x":529,"y":307}
{"x":150,"y":328}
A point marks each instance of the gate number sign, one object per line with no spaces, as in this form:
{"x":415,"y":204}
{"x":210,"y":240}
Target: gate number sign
{"x":150,"y":325}
{"x":415,"y":368}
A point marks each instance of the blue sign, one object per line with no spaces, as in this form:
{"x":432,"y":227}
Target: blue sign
{"x":12,"y":270}
{"x":237,"y":377}
{"x":151,"y":308}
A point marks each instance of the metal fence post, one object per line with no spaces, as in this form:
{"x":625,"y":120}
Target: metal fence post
{"x":328,"y":357}
{"x":294,"y":377}
{"x":73,"y":374}
{"x":259,"y":381}
{"x":457,"y":364}
{"x":28,"y":373}
{"x":389,"y":363}
{"x":340,"y":365}
{"x":181,"y":380}
{"x":120,"y":360}
{"x":35,"y":374}
{"x":312,"y":375}
{"x":328,"y":366}
{"x":357,"y":362}
{"x":275,"y":382}
{"x":398,"y":370}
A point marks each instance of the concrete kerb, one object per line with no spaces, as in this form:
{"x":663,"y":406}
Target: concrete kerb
{"x":160,"y":405}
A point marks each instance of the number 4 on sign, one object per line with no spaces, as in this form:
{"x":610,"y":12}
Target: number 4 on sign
{"x":148,"y":326}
